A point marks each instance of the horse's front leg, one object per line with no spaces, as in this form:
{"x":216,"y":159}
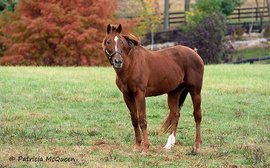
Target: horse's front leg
{"x":141,"y":108}
{"x":130,"y":102}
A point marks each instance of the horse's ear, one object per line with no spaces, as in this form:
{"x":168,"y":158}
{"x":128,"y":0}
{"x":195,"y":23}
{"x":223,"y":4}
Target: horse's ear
{"x":109,"y":28}
{"x":119,"y":28}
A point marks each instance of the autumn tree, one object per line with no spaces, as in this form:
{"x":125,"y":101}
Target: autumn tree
{"x":55,"y":32}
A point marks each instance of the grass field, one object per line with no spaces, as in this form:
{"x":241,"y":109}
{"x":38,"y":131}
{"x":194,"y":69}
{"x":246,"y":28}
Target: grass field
{"x":252,"y":53}
{"x":78,"y":113}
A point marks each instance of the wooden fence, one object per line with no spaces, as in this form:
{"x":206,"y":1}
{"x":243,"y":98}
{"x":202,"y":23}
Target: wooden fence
{"x":176,"y":17}
{"x":249,"y":14}
{"x":238,"y":17}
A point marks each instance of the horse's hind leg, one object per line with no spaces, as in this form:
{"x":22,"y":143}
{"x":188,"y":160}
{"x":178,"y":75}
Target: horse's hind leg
{"x":174,"y":106}
{"x":196,"y":99}
{"x":173,"y":117}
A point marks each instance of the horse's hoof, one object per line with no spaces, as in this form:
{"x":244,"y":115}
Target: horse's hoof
{"x":145,"y":150}
{"x":195,"y":151}
{"x":137,"y":148}
{"x":170,"y":143}
{"x":167,"y":148}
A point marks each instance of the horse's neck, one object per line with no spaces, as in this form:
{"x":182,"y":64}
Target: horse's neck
{"x":122,"y":73}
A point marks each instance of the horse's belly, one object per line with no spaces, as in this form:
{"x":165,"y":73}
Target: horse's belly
{"x":162,"y":87}
{"x":153,"y":92}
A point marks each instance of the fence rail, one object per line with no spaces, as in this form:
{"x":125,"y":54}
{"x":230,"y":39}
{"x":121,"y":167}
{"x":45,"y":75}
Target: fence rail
{"x":176,"y":17}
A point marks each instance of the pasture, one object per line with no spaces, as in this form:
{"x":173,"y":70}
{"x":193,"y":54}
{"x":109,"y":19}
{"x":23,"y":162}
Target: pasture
{"x":78,"y":112}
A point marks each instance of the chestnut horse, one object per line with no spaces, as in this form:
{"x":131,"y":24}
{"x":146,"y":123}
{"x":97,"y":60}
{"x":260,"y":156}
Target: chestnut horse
{"x":140,"y":73}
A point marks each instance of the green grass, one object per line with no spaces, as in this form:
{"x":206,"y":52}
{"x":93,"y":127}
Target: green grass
{"x":79,"y":113}
{"x":252,"y":53}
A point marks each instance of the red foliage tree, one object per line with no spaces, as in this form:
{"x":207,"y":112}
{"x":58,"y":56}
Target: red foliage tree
{"x":56,"y":32}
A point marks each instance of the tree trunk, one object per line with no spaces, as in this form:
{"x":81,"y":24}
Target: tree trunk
{"x":166,"y":15}
{"x":152,"y":40}
{"x":260,"y":14}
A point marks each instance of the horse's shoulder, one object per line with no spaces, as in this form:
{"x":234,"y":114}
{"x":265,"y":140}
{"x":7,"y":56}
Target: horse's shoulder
{"x":122,"y":85}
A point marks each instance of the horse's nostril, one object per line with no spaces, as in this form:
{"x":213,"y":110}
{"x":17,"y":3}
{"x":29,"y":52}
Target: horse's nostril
{"x":118,"y":61}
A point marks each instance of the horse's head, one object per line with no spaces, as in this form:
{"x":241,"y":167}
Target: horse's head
{"x":113,"y":46}
{"x":116,"y":46}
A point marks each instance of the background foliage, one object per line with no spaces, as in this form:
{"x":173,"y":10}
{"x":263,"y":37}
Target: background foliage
{"x":70,"y":33}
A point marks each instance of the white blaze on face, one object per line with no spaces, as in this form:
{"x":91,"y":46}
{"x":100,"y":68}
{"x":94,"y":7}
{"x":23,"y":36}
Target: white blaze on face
{"x":115,"y":47}
{"x":170,"y":142}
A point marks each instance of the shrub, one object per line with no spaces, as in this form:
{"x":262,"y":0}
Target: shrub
{"x":207,"y":37}
{"x":206,"y":28}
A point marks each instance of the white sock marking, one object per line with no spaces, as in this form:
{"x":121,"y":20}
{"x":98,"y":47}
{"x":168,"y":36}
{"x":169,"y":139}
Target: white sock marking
{"x":170,"y":142}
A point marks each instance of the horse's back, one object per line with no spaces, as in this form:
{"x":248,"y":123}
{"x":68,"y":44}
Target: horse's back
{"x":182,"y":54}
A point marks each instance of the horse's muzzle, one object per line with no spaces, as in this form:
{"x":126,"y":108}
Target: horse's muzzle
{"x":115,"y":59}
{"x":118,"y":63}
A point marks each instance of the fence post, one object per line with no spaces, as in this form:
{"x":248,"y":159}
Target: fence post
{"x":166,"y":15}
{"x":268,"y":5}
{"x":256,"y":13}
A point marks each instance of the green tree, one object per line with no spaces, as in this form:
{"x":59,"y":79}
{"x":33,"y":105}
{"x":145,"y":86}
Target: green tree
{"x":149,"y":19}
{"x":204,"y":8}
{"x":8,"y":5}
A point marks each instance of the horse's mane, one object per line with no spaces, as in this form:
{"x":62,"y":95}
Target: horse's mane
{"x":131,"y":39}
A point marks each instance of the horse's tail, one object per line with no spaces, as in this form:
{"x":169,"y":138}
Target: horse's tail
{"x":182,"y":97}
{"x":167,"y":124}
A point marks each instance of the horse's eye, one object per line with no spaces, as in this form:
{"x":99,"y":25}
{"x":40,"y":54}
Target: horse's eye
{"x":108,"y":42}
